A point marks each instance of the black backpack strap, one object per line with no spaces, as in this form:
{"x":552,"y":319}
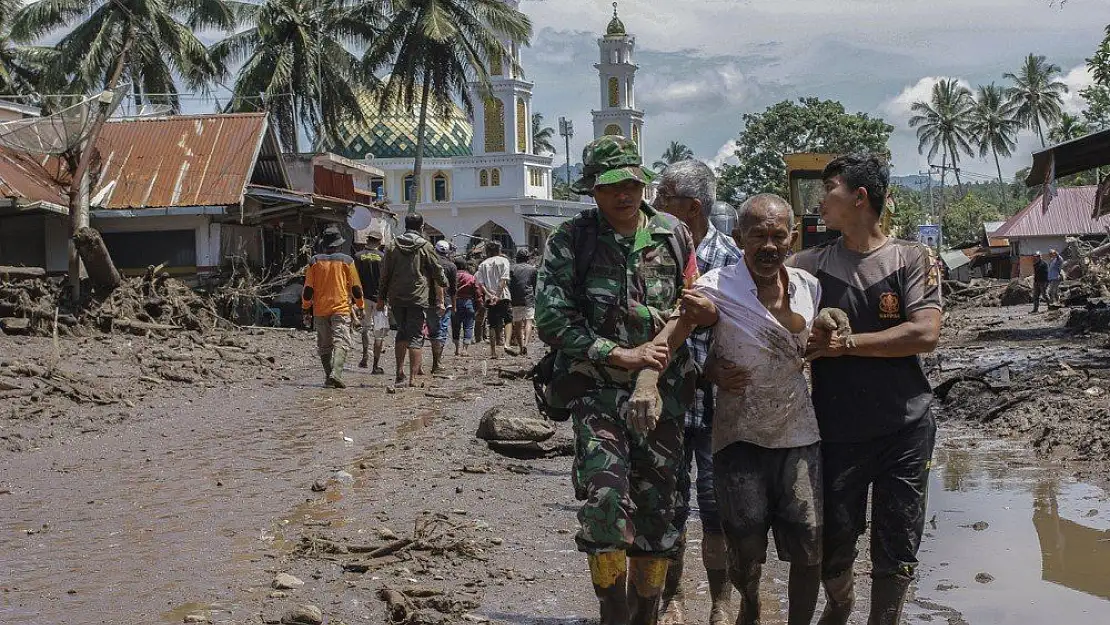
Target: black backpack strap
{"x":583,"y":240}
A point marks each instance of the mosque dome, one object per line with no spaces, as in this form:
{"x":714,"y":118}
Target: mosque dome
{"x":392,"y":134}
{"x":616,"y":26}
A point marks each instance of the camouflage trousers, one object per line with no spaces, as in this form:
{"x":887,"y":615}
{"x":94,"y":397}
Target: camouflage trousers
{"x":625,"y":480}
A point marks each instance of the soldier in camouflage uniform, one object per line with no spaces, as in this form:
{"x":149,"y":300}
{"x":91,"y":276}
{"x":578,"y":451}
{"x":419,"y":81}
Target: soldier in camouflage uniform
{"x":602,"y":324}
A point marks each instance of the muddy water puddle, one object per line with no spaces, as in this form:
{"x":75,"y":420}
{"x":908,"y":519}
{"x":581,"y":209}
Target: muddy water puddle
{"x":1012,"y":539}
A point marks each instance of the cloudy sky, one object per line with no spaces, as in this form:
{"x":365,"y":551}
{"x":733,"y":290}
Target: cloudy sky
{"x":704,"y":63}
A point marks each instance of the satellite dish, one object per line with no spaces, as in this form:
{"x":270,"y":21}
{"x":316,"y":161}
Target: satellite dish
{"x":360,"y":219}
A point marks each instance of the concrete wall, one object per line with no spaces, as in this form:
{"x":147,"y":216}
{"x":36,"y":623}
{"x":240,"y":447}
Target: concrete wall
{"x":36,"y":240}
{"x":207,"y":234}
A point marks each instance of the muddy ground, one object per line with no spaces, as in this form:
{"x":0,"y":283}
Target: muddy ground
{"x":140,"y":499}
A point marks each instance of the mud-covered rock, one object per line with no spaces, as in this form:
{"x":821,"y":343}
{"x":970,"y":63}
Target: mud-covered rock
{"x":497,"y":425}
{"x":1018,"y":291}
{"x":285,"y":581}
{"x":303,"y":615}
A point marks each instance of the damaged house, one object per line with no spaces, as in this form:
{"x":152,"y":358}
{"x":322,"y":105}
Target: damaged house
{"x":192,"y":192}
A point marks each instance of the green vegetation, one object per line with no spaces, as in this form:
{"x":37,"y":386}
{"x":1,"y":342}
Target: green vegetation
{"x":542,"y":136}
{"x":674,"y":153}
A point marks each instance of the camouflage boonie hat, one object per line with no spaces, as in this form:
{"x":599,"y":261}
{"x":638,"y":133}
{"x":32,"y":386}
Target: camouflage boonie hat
{"x":609,"y":160}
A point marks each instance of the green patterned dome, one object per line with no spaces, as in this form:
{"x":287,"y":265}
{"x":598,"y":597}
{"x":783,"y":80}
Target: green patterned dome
{"x":616,"y":26}
{"x":393,"y":134}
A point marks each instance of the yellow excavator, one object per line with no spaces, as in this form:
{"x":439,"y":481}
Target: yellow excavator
{"x":803,"y":179}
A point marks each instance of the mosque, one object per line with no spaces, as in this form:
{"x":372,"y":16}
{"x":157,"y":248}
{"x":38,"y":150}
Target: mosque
{"x":480,"y":177}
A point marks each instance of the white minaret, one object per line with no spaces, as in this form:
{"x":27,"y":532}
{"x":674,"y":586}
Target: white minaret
{"x":617,"y":74}
{"x":503,"y":125}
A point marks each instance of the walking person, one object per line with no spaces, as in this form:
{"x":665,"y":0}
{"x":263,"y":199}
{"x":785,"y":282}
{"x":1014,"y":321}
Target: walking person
{"x":1055,"y":276}
{"x":466,"y":297}
{"x":522,"y":291}
{"x":493,"y":281}
{"x":686,"y":190}
{"x":440,"y":330}
{"x":330,"y":286}
{"x":410,"y":271}
{"x":870,"y":394}
{"x":1040,"y":281}
{"x":609,"y":280}
{"x":368,"y":262}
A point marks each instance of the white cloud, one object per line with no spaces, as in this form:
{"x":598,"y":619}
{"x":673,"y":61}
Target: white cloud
{"x":725,"y":155}
{"x":899,"y":106}
{"x":705,"y":89}
{"x":1077,"y":79}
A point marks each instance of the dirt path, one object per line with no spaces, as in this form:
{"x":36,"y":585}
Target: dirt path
{"x":194,"y":502}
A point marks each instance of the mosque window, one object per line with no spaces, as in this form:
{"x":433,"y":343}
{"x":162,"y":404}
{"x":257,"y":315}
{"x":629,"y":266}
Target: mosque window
{"x":614,"y":91}
{"x":439,"y":187}
{"x":628,"y":93}
{"x":495,"y":68}
{"x":377,"y":187}
{"x":410,"y":187}
{"x":495,"y":177}
{"x":535,"y":176}
{"x":613,"y":129}
{"x":636,"y":134}
{"x":521,"y":126}
{"x":495,"y":125}
{"x":483,"y":178}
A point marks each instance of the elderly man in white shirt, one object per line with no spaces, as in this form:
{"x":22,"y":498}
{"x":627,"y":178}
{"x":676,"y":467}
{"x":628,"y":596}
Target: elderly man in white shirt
{"x":493,"y":279}
{"x":766,"y":451}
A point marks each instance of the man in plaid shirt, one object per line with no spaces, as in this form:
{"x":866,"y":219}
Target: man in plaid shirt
{"x":687,"y":190}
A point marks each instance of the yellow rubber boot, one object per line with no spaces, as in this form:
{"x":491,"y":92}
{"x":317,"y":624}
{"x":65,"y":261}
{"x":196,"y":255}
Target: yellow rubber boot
{"x":609,"y":574}
{"x":646,"y":578}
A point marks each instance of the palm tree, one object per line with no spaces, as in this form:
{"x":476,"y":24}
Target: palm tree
{"x":674,"y":153}
{"x":541,"y":135}
{"x":436,"y":48}
{"x":297,"y":64}
{"x":148,"y":42}
{"x":1068,"y":127}
{"x":1036,"y":94}
{"x":993,"y":128}
{"x":20,"y":66}
{"x":944,"y":125}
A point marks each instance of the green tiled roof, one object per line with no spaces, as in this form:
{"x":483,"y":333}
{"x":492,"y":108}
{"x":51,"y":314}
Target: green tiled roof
{"x":393,"y":134}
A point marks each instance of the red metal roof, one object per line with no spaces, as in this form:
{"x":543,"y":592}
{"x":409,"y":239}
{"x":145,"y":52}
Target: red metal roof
{"x":30,"y":178}
{"x":1069,"y":213}
{"x":190,"y":160}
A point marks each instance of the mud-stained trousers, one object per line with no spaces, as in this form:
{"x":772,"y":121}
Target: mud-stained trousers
{"x":896,"y":469}
{"x":625,"y":480}
{"x":332,"y":333}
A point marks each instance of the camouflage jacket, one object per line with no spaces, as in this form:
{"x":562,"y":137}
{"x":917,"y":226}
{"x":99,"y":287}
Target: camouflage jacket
{"x":632,"y":286}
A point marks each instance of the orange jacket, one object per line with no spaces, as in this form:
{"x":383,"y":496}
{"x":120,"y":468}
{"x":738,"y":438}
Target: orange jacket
{"x":330,"y":284}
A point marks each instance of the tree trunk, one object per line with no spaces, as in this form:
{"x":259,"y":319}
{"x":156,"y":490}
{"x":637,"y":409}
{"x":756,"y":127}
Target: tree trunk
{"x":1040,"y":133}
{"x":421,"y":126}
{"x":102,"y":271}
{"x":79,"y":178}
{"x":1001,"y":185}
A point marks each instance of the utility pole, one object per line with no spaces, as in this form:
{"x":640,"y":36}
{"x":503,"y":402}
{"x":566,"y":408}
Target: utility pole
{"x":929,"y":191}
{"x":943,"y":167}
{"x":566,"y":130}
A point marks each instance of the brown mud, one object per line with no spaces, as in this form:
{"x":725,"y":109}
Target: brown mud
{"x":189,"y":503}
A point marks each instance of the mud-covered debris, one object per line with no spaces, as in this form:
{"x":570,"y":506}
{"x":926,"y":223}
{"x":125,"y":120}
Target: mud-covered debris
{"x":417,"y":605}
{"x":979,"y":526}
{"x":285,"y":581}
{"x":319,"y":486}
{"x":196,"y":618}
{"x":984,"y":578}
{"x":303,"y":615}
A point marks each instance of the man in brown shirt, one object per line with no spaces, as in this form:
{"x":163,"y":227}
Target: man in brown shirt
{"x":870,"y":394}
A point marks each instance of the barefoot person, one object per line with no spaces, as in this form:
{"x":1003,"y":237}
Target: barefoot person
{"x":871,"y":396}
{"x":493,"y":281}
{"x":409,"y":272}
{"x":608,"y":283}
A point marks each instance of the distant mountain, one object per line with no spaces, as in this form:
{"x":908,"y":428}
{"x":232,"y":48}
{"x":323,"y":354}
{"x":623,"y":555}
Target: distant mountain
{"x":915,"y":182}
{"x":560,"y":173}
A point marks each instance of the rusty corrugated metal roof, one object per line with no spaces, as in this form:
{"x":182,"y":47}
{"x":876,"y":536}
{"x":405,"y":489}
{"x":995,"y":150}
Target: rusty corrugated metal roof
{"x":189,"y":160}
{"x":1069,"y":213}
{"x":29,"y":178}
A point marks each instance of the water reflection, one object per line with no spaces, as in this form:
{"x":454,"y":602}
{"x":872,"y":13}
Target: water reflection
{"x":1045,"y":542}
{"x":1072,"y":554}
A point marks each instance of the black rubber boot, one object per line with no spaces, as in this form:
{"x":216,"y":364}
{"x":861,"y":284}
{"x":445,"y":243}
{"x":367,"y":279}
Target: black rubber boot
{"x":646,"y":576}
{"x":673,"y":607}
{"x":839,"y":599}
{"x":609,"y":574}
{"x":888,"y":595}
{"x":805,"y":584}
